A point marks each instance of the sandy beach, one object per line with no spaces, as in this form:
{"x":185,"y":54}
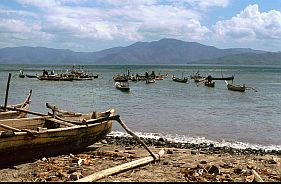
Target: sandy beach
{"x":199,"y":163}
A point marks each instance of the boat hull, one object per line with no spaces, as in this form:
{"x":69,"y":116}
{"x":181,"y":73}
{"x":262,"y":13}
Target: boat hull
{"x":236,"y":88}
{"x":180,"y":80}
{"x":23,"y":146}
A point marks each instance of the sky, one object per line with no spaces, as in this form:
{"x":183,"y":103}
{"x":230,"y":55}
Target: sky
{"x":94,"y":25}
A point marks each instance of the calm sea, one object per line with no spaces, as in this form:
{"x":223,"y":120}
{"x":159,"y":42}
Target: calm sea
{"x":186,"y":112}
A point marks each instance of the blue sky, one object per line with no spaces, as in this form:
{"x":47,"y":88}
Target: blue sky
{"x":93,"y":25}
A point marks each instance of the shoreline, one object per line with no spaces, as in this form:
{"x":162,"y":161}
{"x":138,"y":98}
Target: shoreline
{"x":181,"y":162}
{"x":200,"y":147}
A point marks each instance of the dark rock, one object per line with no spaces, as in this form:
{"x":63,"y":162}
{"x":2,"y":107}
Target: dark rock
{"x":271,"y":161}
{"x":161,"y":139}
{"x":203,"y":162}
{"x":193,"y":152}
{"x":213,"y":169}
{"x":238,"y":170}
{"x":169,"y":151}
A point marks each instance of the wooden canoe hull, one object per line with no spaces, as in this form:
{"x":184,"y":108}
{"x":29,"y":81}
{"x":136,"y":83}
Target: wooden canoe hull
{"x":22,"y":146}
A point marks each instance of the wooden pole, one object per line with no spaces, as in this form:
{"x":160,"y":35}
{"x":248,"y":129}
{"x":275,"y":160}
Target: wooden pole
{"x":7,"y":91}
{"x":135,"y":136}
{"x":121,"y":168}
{"x":10,"y":128}
{"x":26,"y":111}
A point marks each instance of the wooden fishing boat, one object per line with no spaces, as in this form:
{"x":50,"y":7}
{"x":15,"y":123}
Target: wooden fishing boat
{"x":11,"y":114}
{"x":120,"y":78}
{"x":209,"y":84}
{"x":31,"y":76}
{"x":182,"y":80}
{"x":32,"y":138}
{"x":235,"y":87}
{"x":124,"y":86}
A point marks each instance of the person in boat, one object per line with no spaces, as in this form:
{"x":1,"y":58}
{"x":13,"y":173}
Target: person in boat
{"x":153,"y":75}
{"x":146,"y":75}
{"x":45,"y":73}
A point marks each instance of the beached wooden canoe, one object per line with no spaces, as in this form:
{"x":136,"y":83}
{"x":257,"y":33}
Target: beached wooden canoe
{"x":235,"y":87}
{"x":32,"y":138}
{"x":12,"y":114}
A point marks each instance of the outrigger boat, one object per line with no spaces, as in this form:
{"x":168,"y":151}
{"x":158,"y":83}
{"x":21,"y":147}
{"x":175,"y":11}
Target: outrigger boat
{"x":5,"y":113}
{"x":50,"y":134}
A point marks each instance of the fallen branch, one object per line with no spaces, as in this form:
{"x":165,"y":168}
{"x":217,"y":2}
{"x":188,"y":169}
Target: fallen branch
{"x":121,"y":168}
{"x":257,"y":177}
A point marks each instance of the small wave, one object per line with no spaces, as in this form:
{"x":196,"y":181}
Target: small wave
{"x":198,"y":140}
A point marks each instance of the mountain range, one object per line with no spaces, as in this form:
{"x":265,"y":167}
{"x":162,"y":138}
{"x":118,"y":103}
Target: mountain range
{"x":164,"y":51}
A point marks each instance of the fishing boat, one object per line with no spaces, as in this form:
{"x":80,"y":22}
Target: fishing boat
{"x":5,"y":113}
{"x":30,"y":76}
{"x":182,"y":80}
{"x":209,"y":84}
{"x":235,"y":87}
{"x":120,"y":78}
{"x":48,"y":135}
{"x":124,"y":86}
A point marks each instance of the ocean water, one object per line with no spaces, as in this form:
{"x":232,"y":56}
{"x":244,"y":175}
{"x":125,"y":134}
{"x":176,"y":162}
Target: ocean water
{"x":183,"y":112}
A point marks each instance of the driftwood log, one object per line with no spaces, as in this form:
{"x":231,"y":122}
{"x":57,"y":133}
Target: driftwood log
{"x":257,"y":177}
{"x":121,"y":168}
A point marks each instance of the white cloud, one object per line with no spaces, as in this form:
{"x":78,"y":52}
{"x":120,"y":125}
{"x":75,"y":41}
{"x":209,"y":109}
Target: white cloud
{"x":40,"y":3}
{"x":204,"y":4}
{"x":127,"y":2}
{"x":127,"y":20}
{"x":250,"y":24}
{"x":124,"y":22}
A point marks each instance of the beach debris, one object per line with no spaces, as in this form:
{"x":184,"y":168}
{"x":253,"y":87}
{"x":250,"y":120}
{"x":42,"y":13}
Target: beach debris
{"x":257,"y":177}
{"x":169,"y":151}
{"x":120,"y":168}
{"x":250,"y":178}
